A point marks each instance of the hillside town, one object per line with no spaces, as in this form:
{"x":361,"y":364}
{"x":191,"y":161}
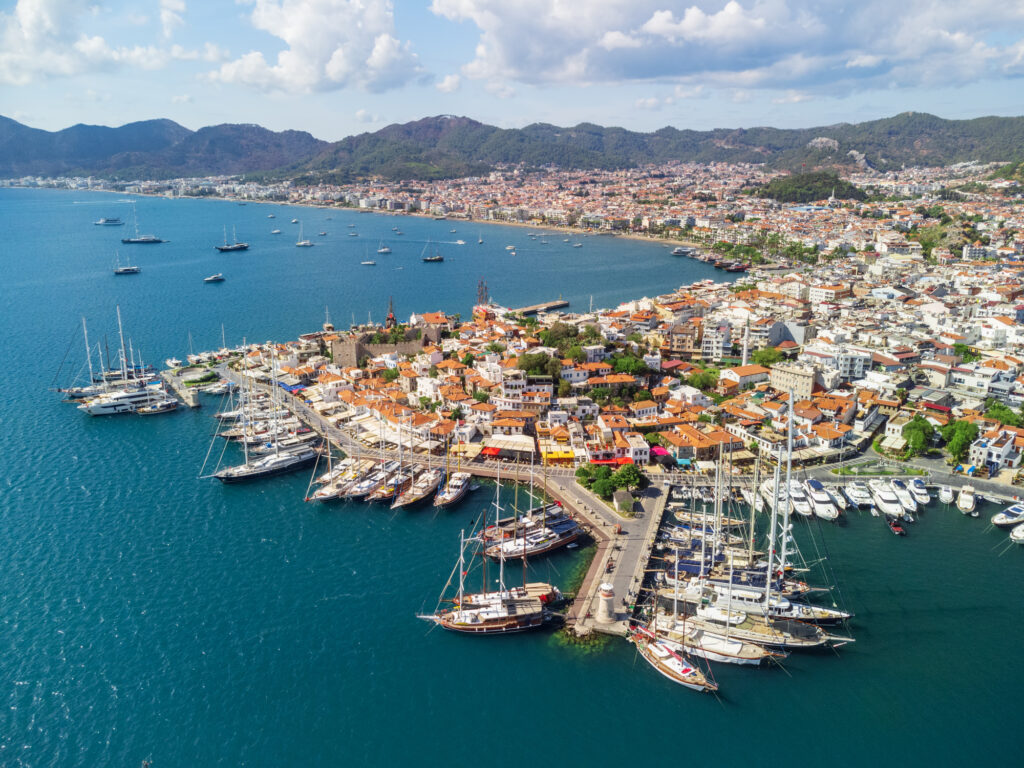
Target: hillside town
{"x":873,"y":352}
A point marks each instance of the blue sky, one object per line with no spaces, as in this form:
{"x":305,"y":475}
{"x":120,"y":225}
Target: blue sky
{"x":338,"y":67}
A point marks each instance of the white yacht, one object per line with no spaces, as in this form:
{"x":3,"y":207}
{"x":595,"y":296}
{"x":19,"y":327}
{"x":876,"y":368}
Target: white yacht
{"x":821,"y":502}
{"x":946,"y":495}
{"x":1017,"y":534}
{"x":885,"y":499}
{"x":1009,"y":517}
{"x":123,"y":401}
{"x":798,"y":499}
{"x":920,"y":492}
{"x":858,"y":494}
{"x":903,"y":494}
{"x":966,"y":501}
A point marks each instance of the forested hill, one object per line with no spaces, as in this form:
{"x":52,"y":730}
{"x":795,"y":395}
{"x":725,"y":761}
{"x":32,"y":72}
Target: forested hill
{"x":449,"y":147}
{"x":808,"y":187}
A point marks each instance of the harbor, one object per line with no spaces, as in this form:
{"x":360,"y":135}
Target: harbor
{"x":266,"y":610}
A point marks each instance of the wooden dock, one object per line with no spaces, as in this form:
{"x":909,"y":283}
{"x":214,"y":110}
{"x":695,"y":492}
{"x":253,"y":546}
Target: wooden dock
{"x":544,"y":306}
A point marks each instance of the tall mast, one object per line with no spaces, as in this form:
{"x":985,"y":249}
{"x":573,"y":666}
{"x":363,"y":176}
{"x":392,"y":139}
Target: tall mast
{"x":771,"y":532}
{"x":120,"y":334}
{"x":88,"y":354}
{"x":787,"y":510}
{"x":462,"y":565}
{"x":753,"y":503}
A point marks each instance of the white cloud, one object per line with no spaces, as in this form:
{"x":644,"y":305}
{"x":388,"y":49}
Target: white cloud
{"x":614,"y":39}
{"x":362,"y":116}
{"x":171,"y":16}
{"x":44,"y":39}
{"x":449,"y":84}
{"x":331,"y":44}
{"x":744,"y":44}
{"x":730,"y":25}
{"x":651,"y":102}
{"x":183,"y":98}
{"x":864,"y":60}
{"x":791,"y":97}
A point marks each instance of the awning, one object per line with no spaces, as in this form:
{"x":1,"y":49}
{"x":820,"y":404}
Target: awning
{"x":683,"y":462}
{"x":491,"y":451}
{"x":624,"y":460}
{"x":604,"y":461}
{"x":657,"y":450}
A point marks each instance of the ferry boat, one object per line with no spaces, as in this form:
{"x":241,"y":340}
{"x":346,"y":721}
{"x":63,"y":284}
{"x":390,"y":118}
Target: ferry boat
{"x":109,"y":222}
{"x":454,"y":490}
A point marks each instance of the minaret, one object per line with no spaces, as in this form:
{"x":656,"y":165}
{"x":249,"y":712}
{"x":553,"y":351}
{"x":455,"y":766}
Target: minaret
{"x":746,"y":340}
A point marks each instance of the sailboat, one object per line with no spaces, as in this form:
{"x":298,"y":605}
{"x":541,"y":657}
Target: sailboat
{"x":381,"y":248}
{"x":233,"y":246}
{"x":140,"y":239}
{"x":457,"y":485}
{"x":301,"y":243}
{"x":668,"y":660}
{"x":277,"y":463}
{"x":505,"y":611}
{"x":125,"y":269}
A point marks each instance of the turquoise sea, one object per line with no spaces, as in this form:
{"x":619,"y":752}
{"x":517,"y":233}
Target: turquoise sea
{"x":146,"y":614}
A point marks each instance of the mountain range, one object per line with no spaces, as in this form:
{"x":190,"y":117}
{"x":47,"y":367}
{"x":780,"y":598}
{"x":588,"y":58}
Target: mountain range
{"x":450,"y":147}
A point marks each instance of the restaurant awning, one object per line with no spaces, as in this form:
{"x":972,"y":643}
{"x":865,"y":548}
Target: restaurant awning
{"x":491,"y":451}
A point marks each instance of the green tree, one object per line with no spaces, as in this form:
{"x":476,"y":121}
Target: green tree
{"x":958,"y":436}
{"x":628,"y":476}
{"x":964,"y":352}
{"x":468,"y":360}
{"x":1001,"y":413}
{"x":564,"y":388}
{"x":653,"y":438}
{"x":634,"y":366}
{"x":642,"y":395}
{"x":456,"y":414}
{"x":767,"y":357}
{"x":703,"y":380}
{"x":390,"y":374}
{"x":918,"y":433}
{"x":480,"y":396}
{"x":603,"y":487}
{"x":432,"y":373}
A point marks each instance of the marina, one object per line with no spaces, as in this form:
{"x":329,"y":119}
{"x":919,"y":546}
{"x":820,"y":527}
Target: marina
{"x":240,"y":609}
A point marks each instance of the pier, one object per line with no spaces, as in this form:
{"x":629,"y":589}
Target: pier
{"x":544,"y":306}
{"x":175,"y":381}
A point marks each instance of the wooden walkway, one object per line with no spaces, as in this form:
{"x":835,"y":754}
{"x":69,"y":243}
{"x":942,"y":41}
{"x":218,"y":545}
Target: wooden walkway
{"x":544,"y":306}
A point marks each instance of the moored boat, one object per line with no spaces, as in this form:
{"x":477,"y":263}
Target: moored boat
{"x":1009,"y":517}
{"x":946,"y":495}
{"x":966,"y":501}
{"x":668,"y":660}
{"x":454,"y":490}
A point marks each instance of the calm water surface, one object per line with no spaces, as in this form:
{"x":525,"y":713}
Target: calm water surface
{"x":147,"y":614}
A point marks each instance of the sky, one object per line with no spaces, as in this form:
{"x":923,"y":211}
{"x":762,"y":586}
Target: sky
{"x":340,"y":67}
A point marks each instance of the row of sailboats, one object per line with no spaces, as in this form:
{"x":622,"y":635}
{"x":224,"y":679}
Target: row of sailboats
{"x":720,"y":599}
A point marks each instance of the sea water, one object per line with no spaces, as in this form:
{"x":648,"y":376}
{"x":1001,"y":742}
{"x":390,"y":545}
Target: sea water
{"x":148,"y":614}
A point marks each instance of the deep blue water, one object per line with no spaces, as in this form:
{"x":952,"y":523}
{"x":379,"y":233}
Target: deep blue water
{"x":148,"y":614}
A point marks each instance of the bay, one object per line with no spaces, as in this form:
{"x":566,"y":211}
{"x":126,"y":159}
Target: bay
{"x":148,"y":614}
